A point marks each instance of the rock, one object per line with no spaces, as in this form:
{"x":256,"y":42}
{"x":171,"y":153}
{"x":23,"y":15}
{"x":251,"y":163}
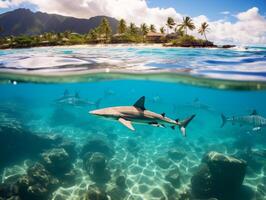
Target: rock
{"x":95,"y":193}
{"x":218,"y":176}
{"x":173,"y":177}
{"x":97,"y":145}
{"x":202,"y":182}
{"x":38,"y":184}
{"x":163,"y":163}
{"x":96,"y":167}
{"x":7,"y":190}
{"x":37,"y":174}
{"x":227,"y":46}
{"x":176,"y":154}
{"x":56,"y":161}
{"x":70,"y":148}
{"x":227,"y":170}
{"x":19,"y":144}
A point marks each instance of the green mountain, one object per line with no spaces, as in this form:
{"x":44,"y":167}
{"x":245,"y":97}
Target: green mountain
{"x":25,"y":22}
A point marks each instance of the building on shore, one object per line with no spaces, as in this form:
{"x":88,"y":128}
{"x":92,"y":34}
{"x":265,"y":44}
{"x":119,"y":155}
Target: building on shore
{"x":155,"y":37}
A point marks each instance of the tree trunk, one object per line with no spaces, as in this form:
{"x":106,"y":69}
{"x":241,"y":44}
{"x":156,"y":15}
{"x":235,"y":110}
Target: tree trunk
{"x":205,"y":36}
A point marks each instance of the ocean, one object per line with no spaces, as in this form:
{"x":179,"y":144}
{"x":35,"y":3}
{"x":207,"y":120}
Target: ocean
{"x":52,"y":148}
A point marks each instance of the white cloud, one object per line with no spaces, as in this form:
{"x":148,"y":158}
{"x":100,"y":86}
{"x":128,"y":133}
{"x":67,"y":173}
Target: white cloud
{"x":131,"y":10}
{"x":225,"y":13}
{"x":249,"y":27}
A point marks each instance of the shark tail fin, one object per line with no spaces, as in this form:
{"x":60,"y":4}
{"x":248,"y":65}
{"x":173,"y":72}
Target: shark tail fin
{"x":223,"y":120}
{"x":98,"y":102}
{"x":183,"y":124}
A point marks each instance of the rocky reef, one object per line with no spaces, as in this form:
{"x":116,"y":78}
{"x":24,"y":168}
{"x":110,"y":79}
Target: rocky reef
{"x":95,"y":166}
{"x":121,"y":166}
{"x":19,"y":143}
{"x":219,"y":176}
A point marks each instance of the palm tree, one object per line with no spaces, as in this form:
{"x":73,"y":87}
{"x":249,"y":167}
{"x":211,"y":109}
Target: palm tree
{"x":204,"y":27}
{"x":187,"y":24}
{"x":105,"y":28}
{"x":122,"y":26}
{"x":162,"y":30}
{"x":132,"y":28}
{"x":144,"y":30}
{"x":93,"y":35}
{"x":152,"y":28}
{"x":170,"y":23}
{"x":179,"y":31}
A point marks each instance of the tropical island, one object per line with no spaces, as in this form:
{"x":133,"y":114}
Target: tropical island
{"x":173,"y":34}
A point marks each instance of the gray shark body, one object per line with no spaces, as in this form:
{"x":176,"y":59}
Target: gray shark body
{"x":138,"y":114}
{"x":76,"y":100}
{"x":254,"y":120}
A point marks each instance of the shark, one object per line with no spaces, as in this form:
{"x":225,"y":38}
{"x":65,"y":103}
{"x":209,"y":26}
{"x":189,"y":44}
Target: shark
{"x":137,"y":113}
{"x":254,"y":120}
{"x":197,"y":104}
{"x":76,"y":100}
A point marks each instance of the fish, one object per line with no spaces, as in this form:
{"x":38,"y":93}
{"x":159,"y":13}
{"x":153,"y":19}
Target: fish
{"x":254,"y":120}
{"x":137,"y":113}
{"x":76,"y":100}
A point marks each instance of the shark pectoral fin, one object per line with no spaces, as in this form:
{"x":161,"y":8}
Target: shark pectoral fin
{"x":126,"y":123}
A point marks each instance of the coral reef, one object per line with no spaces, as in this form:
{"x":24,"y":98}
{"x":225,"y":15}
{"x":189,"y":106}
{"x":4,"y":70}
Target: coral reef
{"x":96,"y":167}
{"x":56,"y":161}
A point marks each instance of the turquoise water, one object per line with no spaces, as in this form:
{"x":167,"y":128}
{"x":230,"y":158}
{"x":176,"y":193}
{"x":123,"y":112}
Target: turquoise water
{"x":142,"y":156}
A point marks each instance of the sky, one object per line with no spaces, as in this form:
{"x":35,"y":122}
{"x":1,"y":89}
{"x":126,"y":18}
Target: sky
{"x":231,"y":21}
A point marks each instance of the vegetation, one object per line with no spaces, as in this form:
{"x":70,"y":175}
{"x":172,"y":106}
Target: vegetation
{"x":162,"y":30}
{"x":203,"y":29}
{"x":187,"y":24}
{"x":144,"y":30}
{"x":122,"y":26}
{"x":105,"y":30}
{"x":177,"y":35}
{"x":170,"y":23}
{"x":152,"y":28}
{"x":191,"y":41}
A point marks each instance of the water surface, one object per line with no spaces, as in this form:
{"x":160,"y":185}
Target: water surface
{"x":171,"y":79}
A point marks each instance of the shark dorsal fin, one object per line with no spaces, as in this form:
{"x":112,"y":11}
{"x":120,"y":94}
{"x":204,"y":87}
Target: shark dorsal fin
{"x":66,"y":93}
{"x":163,"y":114}
{"x":140,"y":103}
{"x":254,"y":112}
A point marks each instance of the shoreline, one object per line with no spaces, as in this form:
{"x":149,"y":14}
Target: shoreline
{"x":124,"y":45}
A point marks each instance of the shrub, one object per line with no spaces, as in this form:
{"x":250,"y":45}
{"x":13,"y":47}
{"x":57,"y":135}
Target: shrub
{"x":191,"y":41}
